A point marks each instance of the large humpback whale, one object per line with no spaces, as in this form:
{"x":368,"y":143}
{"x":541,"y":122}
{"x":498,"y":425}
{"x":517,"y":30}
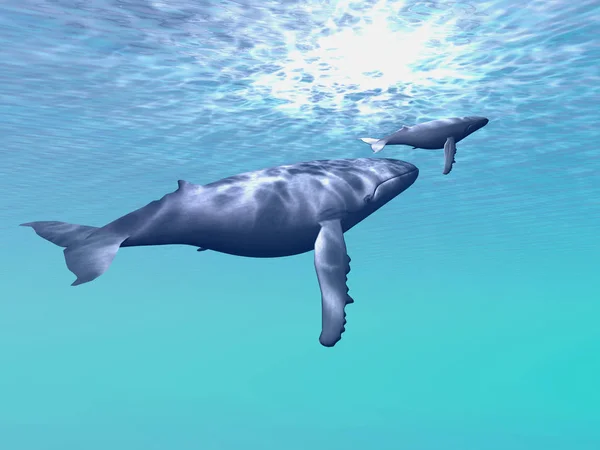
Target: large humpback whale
{"x":275,"y":212}
{"x":433,"y":135}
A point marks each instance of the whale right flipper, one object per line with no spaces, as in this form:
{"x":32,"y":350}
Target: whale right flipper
{"x":449,"y":153}
{"x":332,"y":264}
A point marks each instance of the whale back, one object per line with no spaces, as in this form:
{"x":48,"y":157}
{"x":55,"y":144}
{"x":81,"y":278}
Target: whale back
{"x":307,"y":189}
{"x":457,"y":127}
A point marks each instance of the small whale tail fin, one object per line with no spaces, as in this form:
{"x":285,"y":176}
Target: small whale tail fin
{"x":89,"y":251}
{"x":376,"y":144}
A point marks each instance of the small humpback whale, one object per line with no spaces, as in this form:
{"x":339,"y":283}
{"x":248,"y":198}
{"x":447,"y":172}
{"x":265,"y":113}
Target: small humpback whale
{"x":433,"y":135}
{"x":269,"y":213}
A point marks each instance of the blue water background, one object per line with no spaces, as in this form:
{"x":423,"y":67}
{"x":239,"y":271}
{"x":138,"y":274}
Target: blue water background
{"x":476,"y":321}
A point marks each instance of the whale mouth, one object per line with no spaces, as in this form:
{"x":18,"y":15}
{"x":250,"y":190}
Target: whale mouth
{"x":395,"y":185}
{"x":477,"y":124}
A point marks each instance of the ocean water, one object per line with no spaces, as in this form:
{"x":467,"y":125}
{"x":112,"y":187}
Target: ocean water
{"x":477,"y":302}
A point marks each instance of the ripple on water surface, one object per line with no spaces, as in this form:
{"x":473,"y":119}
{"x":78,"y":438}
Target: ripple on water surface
{"x":233,"y":86}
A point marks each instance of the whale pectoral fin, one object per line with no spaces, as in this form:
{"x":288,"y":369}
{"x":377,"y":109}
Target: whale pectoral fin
{"x":449,"y":153}
{"x":332,"y":264}
{"x":201,"y":249}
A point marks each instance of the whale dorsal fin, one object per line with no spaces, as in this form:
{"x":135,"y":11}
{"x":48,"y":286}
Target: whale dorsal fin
{"x":183,"y":185}
{"x":400,"y":130}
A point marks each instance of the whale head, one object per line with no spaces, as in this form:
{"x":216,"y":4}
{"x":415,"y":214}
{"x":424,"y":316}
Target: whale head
{"x":387,"y":179}
{"x":394,"y":177}
{"x":474,"y":123}
{"x":359,"y":187}
{"x":373,"y":182}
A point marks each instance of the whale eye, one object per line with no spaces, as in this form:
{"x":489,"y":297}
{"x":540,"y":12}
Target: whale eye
{"x":368,"y":198}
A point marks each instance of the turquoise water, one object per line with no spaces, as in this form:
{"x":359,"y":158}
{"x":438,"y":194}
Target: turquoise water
{"x":475,"y":325}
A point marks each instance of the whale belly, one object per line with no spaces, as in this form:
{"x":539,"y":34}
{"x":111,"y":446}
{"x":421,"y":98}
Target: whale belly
{"x":268,"y":242}
{"x":261,"y":226}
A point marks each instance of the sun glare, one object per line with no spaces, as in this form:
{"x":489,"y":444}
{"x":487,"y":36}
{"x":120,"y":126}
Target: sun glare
{"x":378,"y":52}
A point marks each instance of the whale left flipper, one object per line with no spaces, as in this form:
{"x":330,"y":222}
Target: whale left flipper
{"x":332,"y":264}
{"x":449,"y":153}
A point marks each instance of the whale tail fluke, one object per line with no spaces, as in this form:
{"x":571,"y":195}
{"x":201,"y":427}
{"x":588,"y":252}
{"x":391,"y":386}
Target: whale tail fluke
{"x":89,"y":251}
{"x":60,"y":233}
{"x":376,"y":144}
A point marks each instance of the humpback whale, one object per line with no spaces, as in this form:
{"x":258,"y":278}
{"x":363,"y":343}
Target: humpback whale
{"x":433,"y":135}
{"x":274,"y":212}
